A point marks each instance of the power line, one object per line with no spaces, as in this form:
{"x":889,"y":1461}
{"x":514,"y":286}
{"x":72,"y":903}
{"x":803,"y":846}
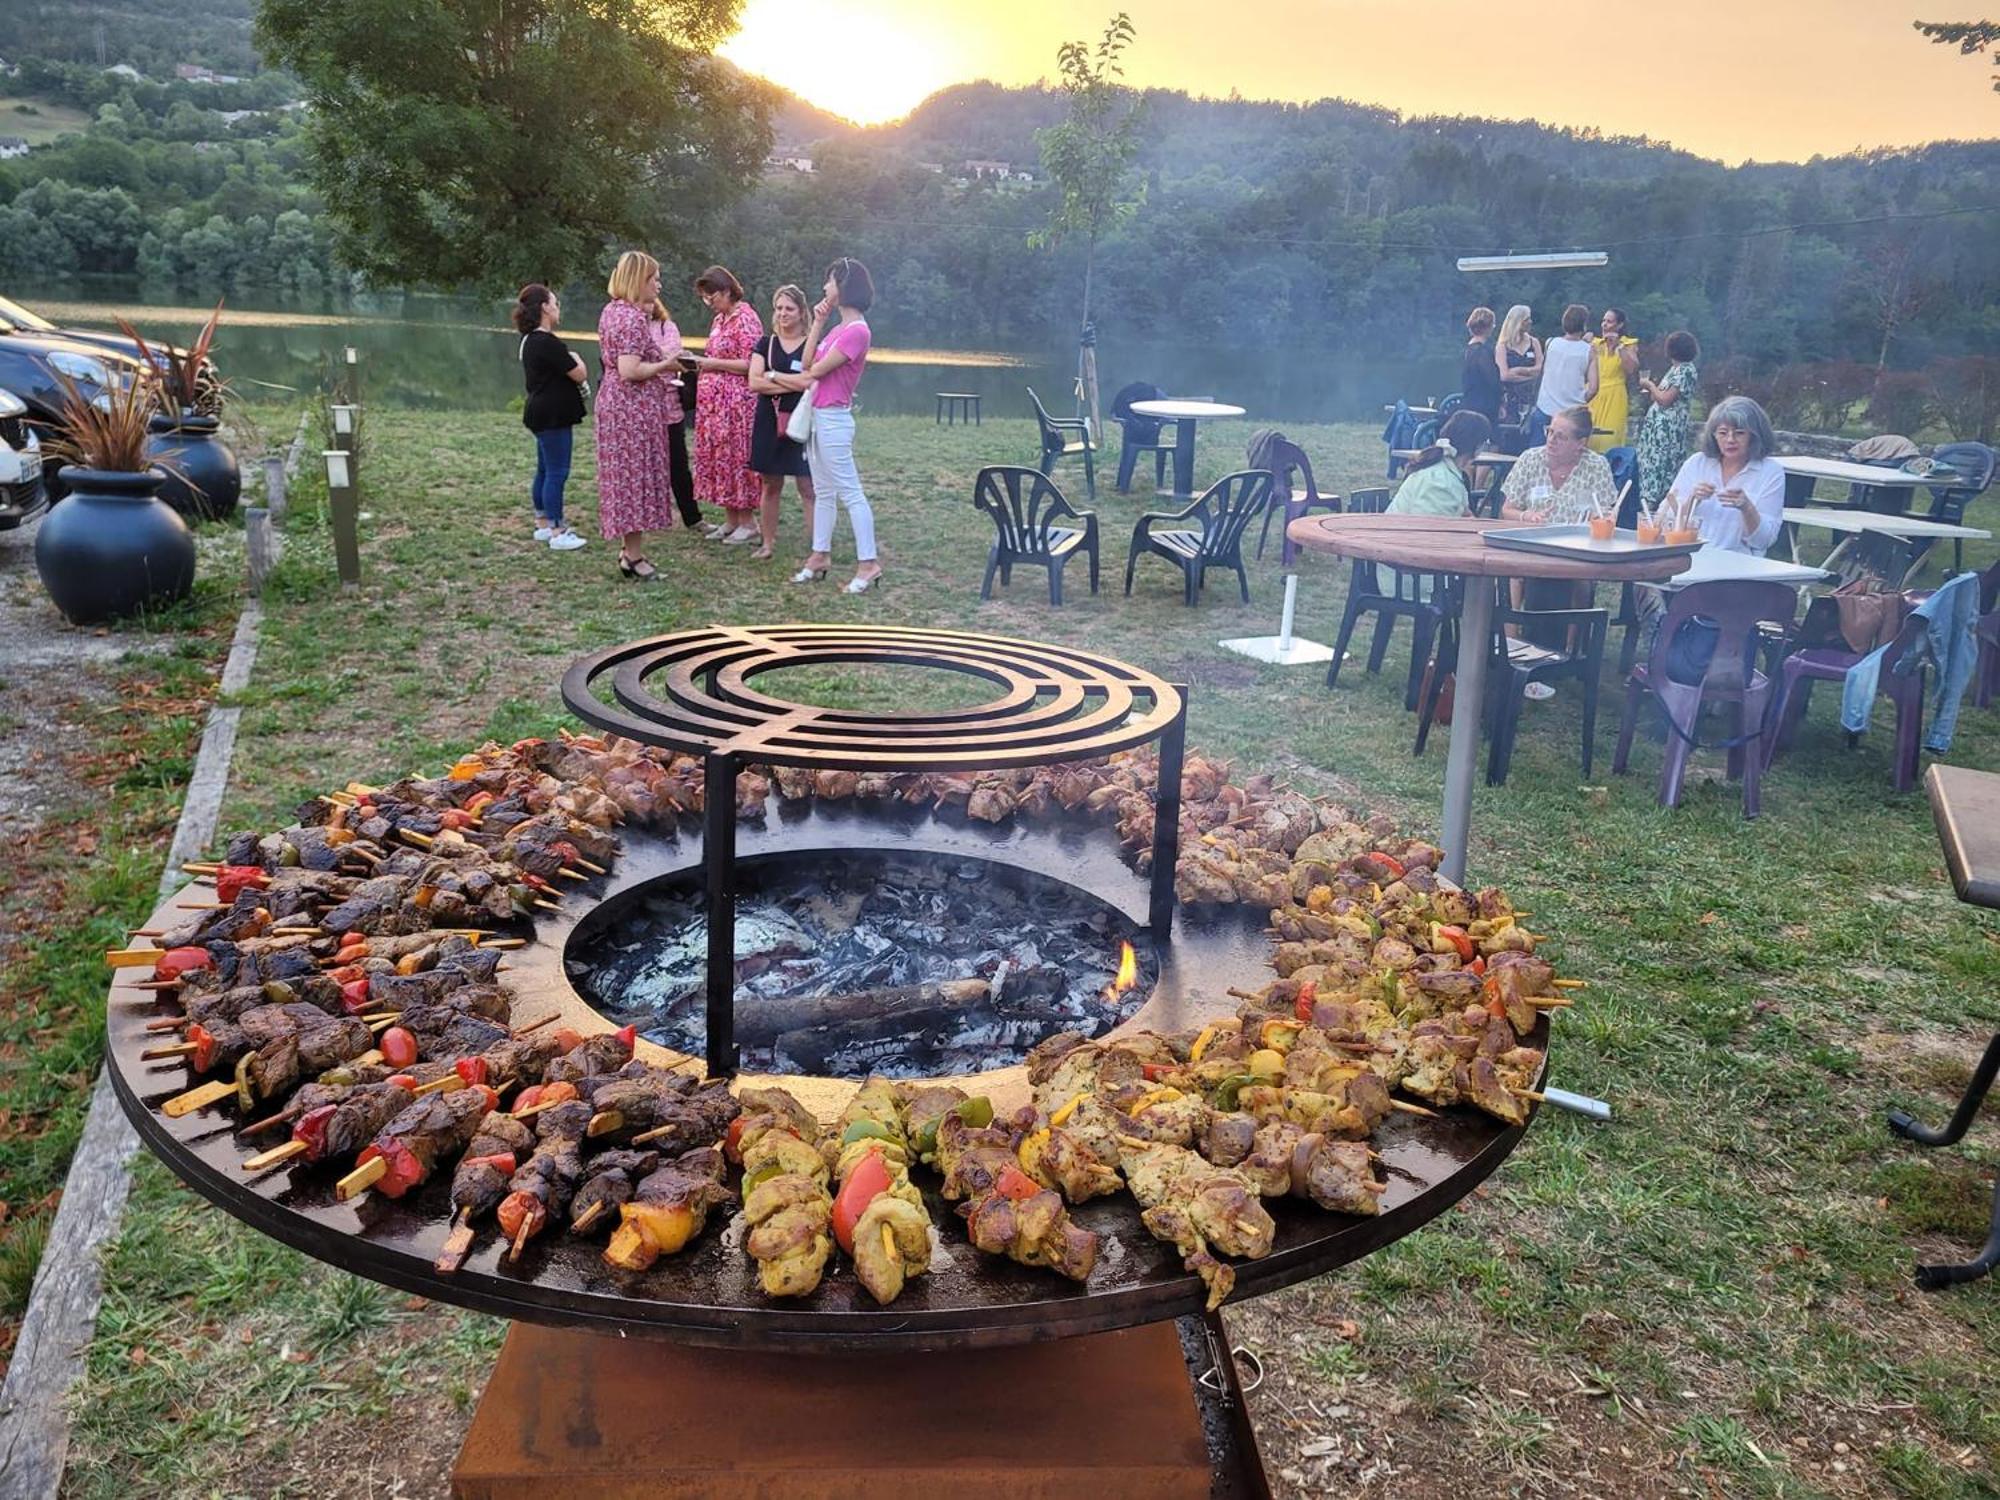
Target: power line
{"x":1462,"y":249}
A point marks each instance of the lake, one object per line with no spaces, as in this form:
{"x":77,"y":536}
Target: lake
{"x":420,"y":349}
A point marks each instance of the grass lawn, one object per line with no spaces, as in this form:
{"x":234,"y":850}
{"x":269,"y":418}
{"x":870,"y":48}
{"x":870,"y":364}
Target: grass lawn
{"x":1709,"y":1296}
{"x":38,"y":122}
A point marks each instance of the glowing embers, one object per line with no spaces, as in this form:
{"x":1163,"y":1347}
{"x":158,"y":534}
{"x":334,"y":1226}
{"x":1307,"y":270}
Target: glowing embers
{"x":904,"y":963}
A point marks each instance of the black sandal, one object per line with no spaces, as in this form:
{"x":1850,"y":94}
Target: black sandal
{"x":637,"y":568}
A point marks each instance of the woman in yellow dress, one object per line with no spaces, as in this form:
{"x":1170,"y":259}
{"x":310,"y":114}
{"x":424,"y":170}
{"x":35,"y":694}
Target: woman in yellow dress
{"x":1617,"y":363}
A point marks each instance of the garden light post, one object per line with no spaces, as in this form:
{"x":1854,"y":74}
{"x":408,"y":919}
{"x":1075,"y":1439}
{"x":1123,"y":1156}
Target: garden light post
{"x":352,"y":357}
{"x":346,"y":418}
{"x":274,"y":485}
{"x":343,"y":506}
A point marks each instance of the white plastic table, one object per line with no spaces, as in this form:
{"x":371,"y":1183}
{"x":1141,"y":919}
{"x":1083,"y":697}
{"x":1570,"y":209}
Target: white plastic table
{"x":1184,"y":415}
{"x":1868,"y":475}
{"x":1854,"y":523}
{"x":1720,"y":565}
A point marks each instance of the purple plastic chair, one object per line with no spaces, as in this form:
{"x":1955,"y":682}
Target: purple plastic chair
{"x":1736,"y":609}
{"x":1986,"y":675}
{"x":1829,"y":664}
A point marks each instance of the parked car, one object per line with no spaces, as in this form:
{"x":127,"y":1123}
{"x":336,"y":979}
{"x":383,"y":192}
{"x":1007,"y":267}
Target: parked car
{"x":22,"y":493}
{"x":20,"y":322}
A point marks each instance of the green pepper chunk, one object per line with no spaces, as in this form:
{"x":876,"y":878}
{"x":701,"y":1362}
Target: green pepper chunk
{"x":762,"y":1175}
{"x":866,"y":1130}
{"x":976,"y":1111}
{"x":1228,"y":1091}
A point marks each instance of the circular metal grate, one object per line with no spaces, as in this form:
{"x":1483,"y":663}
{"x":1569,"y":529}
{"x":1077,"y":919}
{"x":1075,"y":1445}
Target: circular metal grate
{"x":695,"y":691}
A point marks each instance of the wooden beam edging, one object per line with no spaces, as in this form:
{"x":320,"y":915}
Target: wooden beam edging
{"x":62,"y":1307}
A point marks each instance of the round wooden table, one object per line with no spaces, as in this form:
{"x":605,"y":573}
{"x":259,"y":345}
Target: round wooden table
{"x":1455,"y":544}
{"x":1184,"y":415}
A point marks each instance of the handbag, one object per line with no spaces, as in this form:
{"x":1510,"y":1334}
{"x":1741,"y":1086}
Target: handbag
{"x":799,"y":425}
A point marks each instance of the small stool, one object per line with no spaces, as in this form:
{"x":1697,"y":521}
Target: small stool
{"x":953,"y":405}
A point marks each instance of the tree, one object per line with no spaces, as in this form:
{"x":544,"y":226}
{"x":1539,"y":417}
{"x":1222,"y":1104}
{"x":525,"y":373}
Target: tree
{"x":1088,"y":156}
{"x":1970,"y":37}
{"x":459,"y":142}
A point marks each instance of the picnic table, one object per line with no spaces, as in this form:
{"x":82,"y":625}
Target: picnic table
{"x":1868,"y":480}
{"x":1966,"y":805}
{"x":1184,"y":414}
{"x":1457,"y":545}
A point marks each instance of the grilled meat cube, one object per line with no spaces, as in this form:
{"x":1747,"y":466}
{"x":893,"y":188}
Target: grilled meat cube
{"x":354,"y":1118}
{"x":1033,"y":1231}
{"x":540,"y":1188}
{"x":787,"y":1209}
{"x":1193,"y":1204}
{"x":609,"y":1180}
{"x":973,"y":1157}
{"x":661,"y":1101}
{"x":1228,"y":1138}
{"x":480,"y":1182}
{"x":443,"y":1032}
{"x":278,"y":1066}
{"x":1057,"y":1158}
{"x":892,"y":1242}
{"x":603,"y":1053}
{"x":432,"y":1129}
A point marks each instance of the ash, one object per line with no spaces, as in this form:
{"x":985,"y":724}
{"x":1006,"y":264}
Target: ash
{"x":857,"y":964}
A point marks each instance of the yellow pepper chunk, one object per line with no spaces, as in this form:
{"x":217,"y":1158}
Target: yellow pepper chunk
{"x":1061,"y":1116}
{"x":1200,"y":1046}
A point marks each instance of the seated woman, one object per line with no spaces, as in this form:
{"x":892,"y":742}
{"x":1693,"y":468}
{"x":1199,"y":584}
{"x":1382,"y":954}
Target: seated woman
{"x":1434,"y":487}
{"x":1732,"y":490}
{"x":1562,"y":483}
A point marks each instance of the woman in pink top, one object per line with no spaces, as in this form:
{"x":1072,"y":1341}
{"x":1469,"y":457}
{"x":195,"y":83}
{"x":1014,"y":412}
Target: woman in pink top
{"x":836,"y":368}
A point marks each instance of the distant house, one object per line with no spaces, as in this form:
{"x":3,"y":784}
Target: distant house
{"x":999,"y":171}
{"x":789,"y":163}
{"x":125,"y":70}
{"x":12,"y":146}
{"x":193,"y":73}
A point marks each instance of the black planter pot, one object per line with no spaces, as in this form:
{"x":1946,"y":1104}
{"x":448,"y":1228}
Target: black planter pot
{"x":113,"y":547}
{"x":203,"y":481}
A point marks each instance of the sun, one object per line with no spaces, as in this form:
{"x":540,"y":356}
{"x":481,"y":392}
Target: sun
{"x":903,"y":54}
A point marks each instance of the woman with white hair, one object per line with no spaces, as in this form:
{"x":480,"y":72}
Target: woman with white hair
{"x":1517,"y":356}
{"x":1732,"y":488}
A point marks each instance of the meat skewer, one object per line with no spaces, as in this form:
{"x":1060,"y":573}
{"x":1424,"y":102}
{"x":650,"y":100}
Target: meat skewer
{"x":408,"y":1149}
{"x":785,"y":1201}
{"x":667,"y":1209}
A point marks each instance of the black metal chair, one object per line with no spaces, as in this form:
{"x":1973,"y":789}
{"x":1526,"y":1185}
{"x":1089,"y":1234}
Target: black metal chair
{"x":1065,"y":437}
{"x":1030,"y":521}
{"x":1224,"y":512}
{"x":1407,"y":596}
{"x":1141,"y":435}
{"x":1514,"y":663}
{"x":1974,"y":464}
{"x":1285,"y":459}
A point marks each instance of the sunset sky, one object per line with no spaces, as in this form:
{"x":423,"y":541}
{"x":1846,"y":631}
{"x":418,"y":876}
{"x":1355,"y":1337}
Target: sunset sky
{"x":1733,"y":79}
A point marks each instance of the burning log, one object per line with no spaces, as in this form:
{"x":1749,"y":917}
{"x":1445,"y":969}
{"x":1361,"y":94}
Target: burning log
{"x":760,"y":1022}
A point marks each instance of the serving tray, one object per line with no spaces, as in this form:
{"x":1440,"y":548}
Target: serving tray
{"x":1576,"y":541}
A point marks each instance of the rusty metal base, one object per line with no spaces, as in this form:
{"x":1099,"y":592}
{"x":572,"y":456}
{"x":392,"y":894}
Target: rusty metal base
{"x":1111,"y":1416}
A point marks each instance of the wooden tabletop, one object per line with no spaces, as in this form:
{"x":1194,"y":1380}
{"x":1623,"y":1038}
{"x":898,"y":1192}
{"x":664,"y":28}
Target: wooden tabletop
{"x":1452,"y":544}
{"x":1186,"y":411}
{"x":1966,"y":804}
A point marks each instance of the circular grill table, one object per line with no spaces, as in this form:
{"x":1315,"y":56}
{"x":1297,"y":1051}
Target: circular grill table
{"x":695,"y":691}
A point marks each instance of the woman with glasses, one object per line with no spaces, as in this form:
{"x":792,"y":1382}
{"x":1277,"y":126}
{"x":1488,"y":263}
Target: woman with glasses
{"x":1561,"y":483}
{"x":1732,"y":487}
{"x":725,"y":408}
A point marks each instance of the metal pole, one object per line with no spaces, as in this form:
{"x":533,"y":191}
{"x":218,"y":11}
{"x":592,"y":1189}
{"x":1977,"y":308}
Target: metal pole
{"x":344,"y":510}
{"x":1167,"y":822}
{"x":1469,"y":697}
{"x":1286,"y":614}
{"x":718,"y":855}
{"x":353,"y":358}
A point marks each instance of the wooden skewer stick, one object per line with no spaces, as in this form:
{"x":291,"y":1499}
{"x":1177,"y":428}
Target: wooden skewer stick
{"x":200,"y":867}
{"x":383,"y":1023}
{"x":144,"y":932}
{"x":581,"y":1224}
{"x":1570,"y":984}
{"x":457,"y":1244}
{"x":134,"y":958}
{"x":534,"y":1109}
{"x":504,"y":945}
{"x":1550,"y":1002}
{"x":167,"y":1023}
{"x":547,"y":905}
{"x":275,"y":1155}
{"x":552,"y":1017}
{"x":521,"y":1237}
{"x":1535,"y":1094}
{"x":269,"y":1123}
{"x":1405,"y":1107}
{"x":154,"y":984}
{"x":604,"y":1122}
{"x":421,"y":840}
{"x":381,"y":1015}
{"x":450,"y":1083}
{"x":1244,"y":994}
{"x":179,"y":1049}
{"x":359,"y":789}
{"x":568,"y":874}
{"x":196,"y":1098}
{"x":361,"y":1179}
{"x":594,"y":869}
{"x":204,"y":906}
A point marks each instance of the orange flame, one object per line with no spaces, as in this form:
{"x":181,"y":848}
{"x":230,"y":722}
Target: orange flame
{"x":1128,"y":972}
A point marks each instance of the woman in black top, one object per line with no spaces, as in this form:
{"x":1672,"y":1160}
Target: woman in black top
{"x":1479,"y":379}
{"x":556,"y":383}
{"x":775,"y":376}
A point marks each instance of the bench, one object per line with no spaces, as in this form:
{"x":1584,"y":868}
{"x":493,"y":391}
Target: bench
{"x":954,"y":405}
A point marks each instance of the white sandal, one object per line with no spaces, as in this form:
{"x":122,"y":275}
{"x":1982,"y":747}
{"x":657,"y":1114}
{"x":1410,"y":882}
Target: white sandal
{"x":809,"y":575}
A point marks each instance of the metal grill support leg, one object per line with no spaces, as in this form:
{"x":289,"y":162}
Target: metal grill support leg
{"x":1167,"y":822}
{"x":719,"y":857}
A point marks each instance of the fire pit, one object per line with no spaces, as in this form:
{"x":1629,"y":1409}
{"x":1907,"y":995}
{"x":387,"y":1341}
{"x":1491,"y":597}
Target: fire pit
{"x":859,"y":962}
{"x":695,"y":692}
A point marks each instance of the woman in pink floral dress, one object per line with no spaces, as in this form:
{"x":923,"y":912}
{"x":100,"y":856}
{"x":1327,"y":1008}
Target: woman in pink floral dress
{"x":725,"y":408}
{"x":634,"y":493}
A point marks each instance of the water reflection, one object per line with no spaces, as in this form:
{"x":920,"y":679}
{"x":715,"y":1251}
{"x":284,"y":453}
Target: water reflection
{"x":431,"y":351}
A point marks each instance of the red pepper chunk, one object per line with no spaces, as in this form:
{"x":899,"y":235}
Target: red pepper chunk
{"x":178,"y":961}
{"x":203,"y":1041}
{"x":1459,"y":939}
{"x":500,"y":1161}
{"x":518,"y":1209}
{"x":310,"y":1128}
{"x":1477,"y":966}
{"x":455,"y":817}
{"x":405,"y":1171}
{"x":868,"y":1181}
{"x":399,"y":1047}
{"x":354,"y":996}
{"x":1302,"y":1007}
{"x":1395,"y":866}
{"x":472,"y":1069}
{"x":732,"y":1143}
{"x":232,"y":881}
{"x":1156,"y":1071}
{"x":629,"y":1035}
{"x":1015,"y":1184}
{"x":478,"y":802}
